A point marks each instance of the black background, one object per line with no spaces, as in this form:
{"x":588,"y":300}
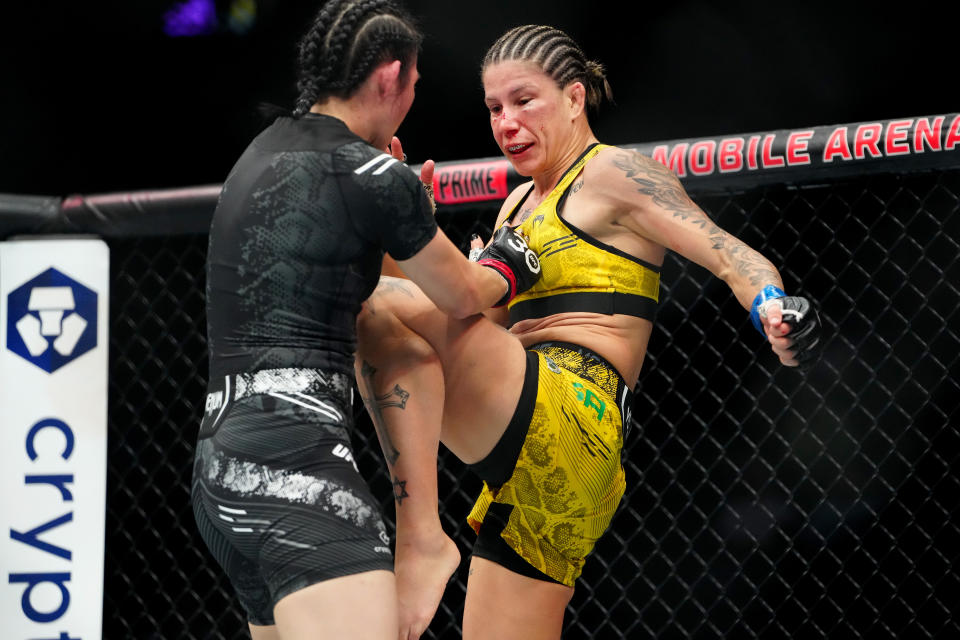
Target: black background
{"x":95,"y":98}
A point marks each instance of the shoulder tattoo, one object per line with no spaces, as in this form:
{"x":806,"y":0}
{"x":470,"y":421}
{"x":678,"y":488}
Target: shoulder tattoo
{"x":658,"y":182}
{"x":664,"y":188}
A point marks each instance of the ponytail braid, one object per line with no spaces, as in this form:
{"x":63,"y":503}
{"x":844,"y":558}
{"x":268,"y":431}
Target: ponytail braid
{"x":311,"y":73}
{"x":598,"y":87}
{"x":346,"y":42}
{"x":341,"y":34}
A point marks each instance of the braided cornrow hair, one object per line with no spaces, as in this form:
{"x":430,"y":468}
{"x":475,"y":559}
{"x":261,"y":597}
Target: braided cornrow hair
{"x":347,"y":40}
{"x":557,"y":54}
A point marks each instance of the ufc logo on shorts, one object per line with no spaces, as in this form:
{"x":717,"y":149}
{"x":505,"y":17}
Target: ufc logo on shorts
{"x":343,"y":452}
{"x":214,"y":401}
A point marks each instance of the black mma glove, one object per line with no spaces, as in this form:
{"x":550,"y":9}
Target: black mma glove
{"x":509,"y":255}
{"x":804,"y":322}
{"x":804,"y":329}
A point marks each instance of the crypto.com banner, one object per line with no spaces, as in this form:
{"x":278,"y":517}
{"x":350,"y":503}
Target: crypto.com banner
{"x":53,"y":437}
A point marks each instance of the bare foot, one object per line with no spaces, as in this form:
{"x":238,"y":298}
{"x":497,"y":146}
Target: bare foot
{"x":423,"y":568}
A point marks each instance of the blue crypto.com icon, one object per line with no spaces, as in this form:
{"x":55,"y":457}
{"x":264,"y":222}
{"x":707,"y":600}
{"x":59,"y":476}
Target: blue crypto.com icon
{"x":51,"y":320}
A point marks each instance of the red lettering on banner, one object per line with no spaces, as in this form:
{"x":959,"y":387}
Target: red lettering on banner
{"x":730,"y":155}
{"x":866,"y":139}
{"x":837,"y":145}
{"x":927,"y":135}
{"x":471,"y":182}
{"x":953,"y":135}
{"x":752,"y":152}
{"x":897,"y":136}
{"x":701,"y":157}
{"x":797,"y":147}
{"x":674,"y":160}
{"x":770,"y":160}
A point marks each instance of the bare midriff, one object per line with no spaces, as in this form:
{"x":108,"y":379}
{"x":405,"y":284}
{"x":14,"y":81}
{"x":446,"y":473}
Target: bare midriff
{"x":621,"y":340}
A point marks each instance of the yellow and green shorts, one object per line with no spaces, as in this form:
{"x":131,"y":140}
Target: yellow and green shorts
{"x":554,"y":480}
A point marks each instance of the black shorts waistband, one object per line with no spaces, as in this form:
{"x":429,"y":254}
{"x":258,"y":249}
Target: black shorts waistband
{"x":286,"y":380}
{"x":294,"y":382}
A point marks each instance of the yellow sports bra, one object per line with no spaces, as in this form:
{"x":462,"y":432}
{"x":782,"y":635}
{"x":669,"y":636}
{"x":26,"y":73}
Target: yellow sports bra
{"x":580,"y":273}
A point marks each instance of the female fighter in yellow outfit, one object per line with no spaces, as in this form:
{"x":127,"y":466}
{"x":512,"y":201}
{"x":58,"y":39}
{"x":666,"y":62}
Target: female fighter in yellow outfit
{"x":540,"y":410}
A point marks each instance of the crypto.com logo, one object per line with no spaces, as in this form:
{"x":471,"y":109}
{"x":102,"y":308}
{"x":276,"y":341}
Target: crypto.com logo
{"x":51,"y":320}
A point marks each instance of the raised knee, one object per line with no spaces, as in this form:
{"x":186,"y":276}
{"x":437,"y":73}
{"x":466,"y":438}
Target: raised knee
{"x":384,"y":339}
{"x":367,"y":321}
{"x":413,"y":350}
{"x":379,"y":312}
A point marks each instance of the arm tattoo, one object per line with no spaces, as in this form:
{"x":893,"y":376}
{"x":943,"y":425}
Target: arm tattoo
{"x":746,"y":261}
{"x":658,"y":182}
{"x":397,"y":397}
{"x":664,"y":188}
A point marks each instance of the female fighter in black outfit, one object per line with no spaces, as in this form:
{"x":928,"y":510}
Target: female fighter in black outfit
{"x":296,"y":246}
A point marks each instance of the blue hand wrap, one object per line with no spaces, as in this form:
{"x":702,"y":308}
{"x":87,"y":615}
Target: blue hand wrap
{"x":769,"y":292}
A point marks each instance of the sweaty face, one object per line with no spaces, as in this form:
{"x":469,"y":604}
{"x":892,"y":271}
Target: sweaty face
{"x":528,"y":115}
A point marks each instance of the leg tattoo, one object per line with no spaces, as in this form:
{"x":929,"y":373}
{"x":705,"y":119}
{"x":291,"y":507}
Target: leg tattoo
{"x":399,"y":490}
{"x":385,"y":400}
{"x":397,"y":397}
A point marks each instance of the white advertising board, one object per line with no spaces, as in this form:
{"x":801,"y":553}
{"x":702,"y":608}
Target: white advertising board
{"x":53,"y":437}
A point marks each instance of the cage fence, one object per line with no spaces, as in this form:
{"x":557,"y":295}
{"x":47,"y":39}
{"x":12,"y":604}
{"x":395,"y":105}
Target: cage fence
{"x":761,"y":501}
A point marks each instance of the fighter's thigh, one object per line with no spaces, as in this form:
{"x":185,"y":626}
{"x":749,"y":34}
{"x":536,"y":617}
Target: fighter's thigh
{"x":484,"y":369}
{"x":483,"y":364}
{"x":361,"y":606}
{"x":505,"y":605}
{"x":258,"y":632}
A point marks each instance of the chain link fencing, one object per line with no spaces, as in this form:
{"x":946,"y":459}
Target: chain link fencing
{"x":761,"y":501}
